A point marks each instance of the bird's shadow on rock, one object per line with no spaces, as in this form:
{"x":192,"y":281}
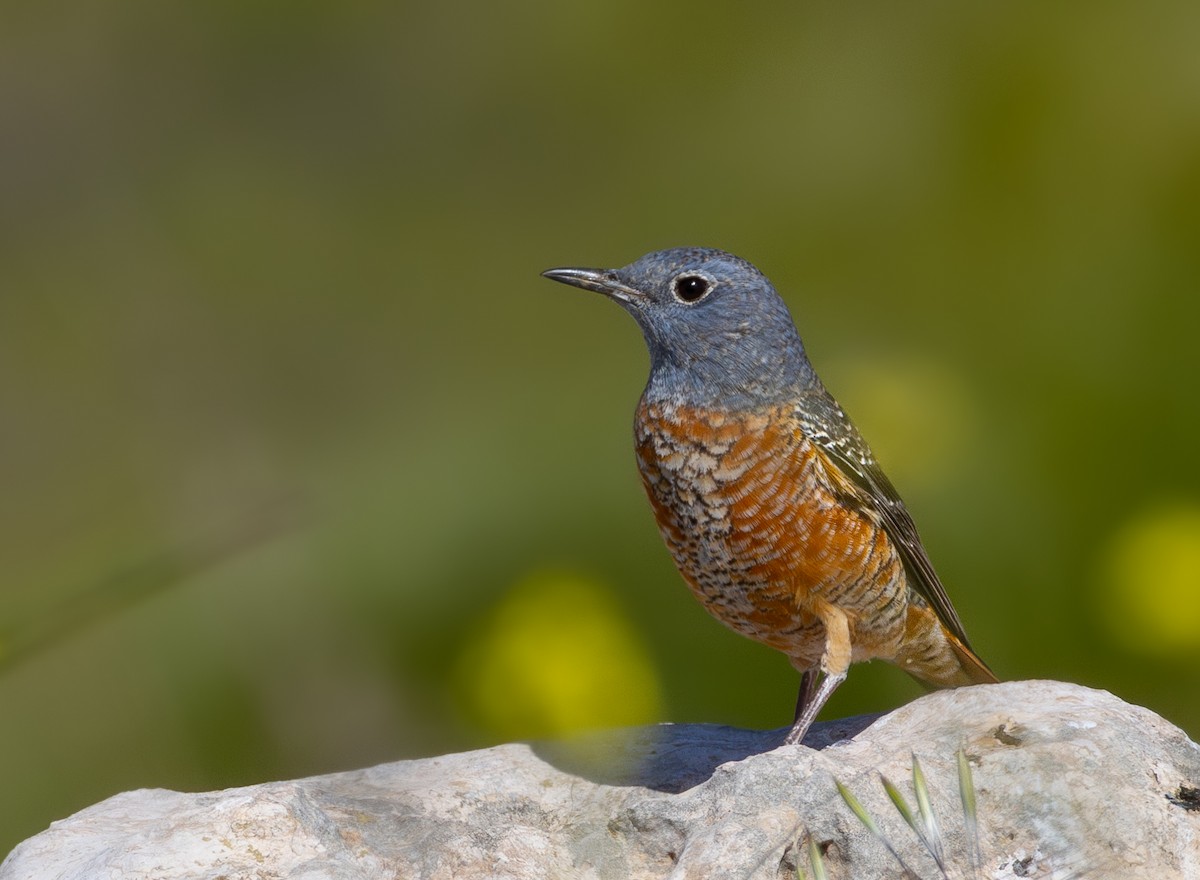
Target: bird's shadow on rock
{"x":675,"y":757}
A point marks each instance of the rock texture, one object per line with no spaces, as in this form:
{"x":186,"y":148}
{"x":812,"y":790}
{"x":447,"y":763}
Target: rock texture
{"x":1070,"y":782}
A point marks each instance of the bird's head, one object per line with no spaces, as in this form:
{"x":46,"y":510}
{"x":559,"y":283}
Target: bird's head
{"x":715,"y":327}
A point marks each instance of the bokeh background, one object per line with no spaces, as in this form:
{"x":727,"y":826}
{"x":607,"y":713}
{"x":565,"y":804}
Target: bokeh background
{"x":304,"y":468}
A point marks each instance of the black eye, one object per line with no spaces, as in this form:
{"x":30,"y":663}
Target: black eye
{"x":691,"y":288}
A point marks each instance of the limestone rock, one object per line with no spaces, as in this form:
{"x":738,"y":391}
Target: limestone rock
{"x":1070,"y":782}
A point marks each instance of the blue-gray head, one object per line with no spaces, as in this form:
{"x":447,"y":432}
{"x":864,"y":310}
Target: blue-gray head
{"x":715,"y":327}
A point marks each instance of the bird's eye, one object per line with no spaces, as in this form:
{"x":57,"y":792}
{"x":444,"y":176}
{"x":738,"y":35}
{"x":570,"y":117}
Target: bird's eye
{"x":691,"y":288}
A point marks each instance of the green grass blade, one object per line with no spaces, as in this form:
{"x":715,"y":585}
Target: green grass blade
{"x":912,"y":819}
{"x":815,"y":859}
{"x":900,"y":804}
{"x":858,"y":809}
{"x":863,"y":816}
{"x":932,"y":836}
{"x":966,"y":790}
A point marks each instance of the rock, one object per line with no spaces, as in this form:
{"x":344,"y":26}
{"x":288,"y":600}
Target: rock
{"x":1070,"y":782}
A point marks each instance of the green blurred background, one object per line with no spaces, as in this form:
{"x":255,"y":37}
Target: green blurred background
{"x":304,"y":468}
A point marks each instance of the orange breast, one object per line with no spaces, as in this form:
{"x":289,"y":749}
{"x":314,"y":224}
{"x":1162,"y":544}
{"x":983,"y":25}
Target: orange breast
{"x":757,"y":521}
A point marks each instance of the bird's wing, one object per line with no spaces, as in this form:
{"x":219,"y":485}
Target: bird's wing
{"x":825,"y":423}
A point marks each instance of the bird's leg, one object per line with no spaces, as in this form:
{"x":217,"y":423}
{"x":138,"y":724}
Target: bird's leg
{"x":808,"y":686}
{"x":829,"y":684}
{"x":835,"y":663}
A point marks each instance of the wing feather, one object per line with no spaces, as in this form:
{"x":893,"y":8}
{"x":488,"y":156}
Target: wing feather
{"x":825,"y":423}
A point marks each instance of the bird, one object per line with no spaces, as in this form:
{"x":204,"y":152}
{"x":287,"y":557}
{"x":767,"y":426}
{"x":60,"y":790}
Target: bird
{"x":774,"y":508}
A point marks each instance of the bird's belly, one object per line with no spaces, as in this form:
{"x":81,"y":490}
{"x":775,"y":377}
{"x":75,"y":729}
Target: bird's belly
{"x":761,"y":536}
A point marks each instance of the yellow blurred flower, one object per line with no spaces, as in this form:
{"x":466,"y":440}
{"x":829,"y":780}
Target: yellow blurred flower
{"x":1151,"y":571}
{"x":557,"y":655}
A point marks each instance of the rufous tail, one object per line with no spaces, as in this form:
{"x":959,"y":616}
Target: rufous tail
{"x":935,"y":656}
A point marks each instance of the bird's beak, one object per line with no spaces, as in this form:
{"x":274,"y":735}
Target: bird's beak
{"x":600,"y":280}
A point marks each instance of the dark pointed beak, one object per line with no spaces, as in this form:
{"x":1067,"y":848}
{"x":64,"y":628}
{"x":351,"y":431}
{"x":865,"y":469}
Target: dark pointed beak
{"x":600,"y":280}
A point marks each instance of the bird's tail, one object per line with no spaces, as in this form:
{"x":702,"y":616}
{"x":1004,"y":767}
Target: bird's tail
{"x":934,"y":655}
